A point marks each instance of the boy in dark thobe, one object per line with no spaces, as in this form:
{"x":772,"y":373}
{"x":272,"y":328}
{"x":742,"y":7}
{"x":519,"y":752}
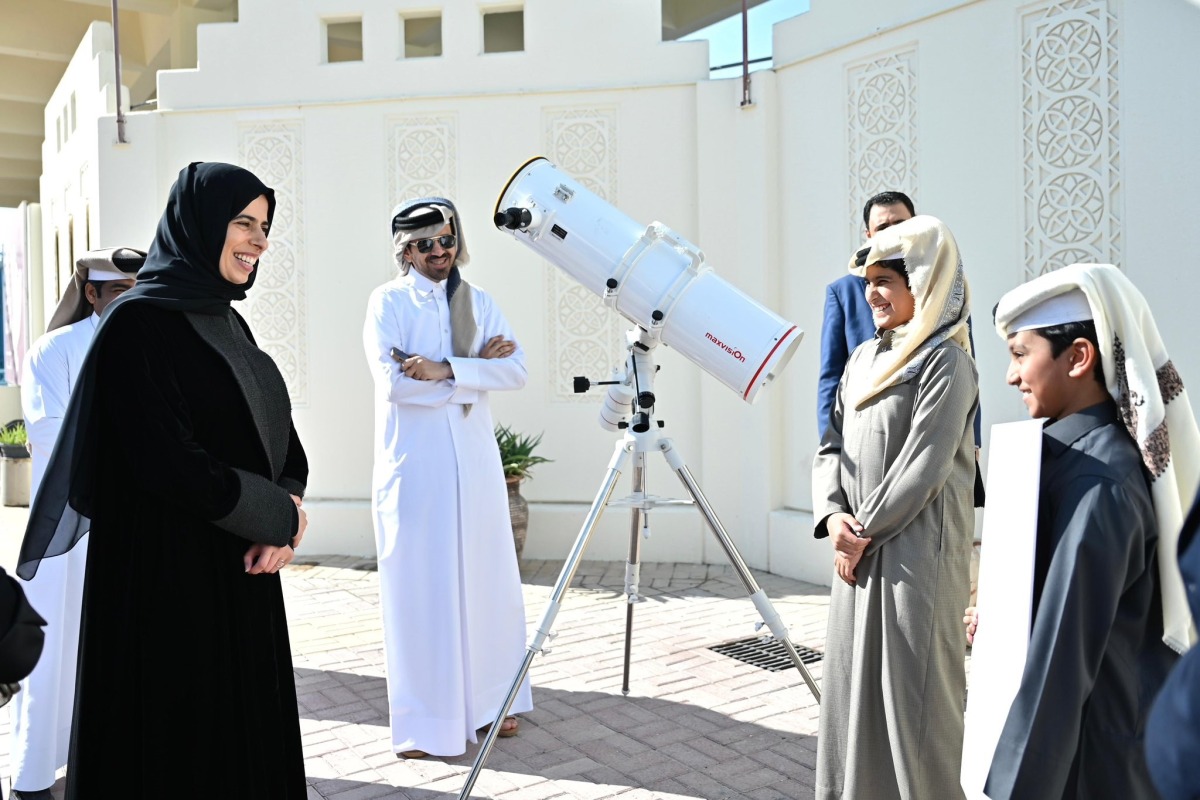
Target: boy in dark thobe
{"x":1096,"y":654}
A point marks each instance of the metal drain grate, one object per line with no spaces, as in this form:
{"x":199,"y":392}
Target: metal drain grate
{"x":765,"y":652}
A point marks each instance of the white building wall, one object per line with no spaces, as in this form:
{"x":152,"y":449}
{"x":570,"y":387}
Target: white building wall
{"x":1043,"y":133}
{"x":978,"y":109}
{"x":341,"y":143}
{"x":72,"y":219}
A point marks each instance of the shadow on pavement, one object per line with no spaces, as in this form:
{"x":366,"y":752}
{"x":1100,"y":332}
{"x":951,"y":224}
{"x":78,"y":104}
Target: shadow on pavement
{"x":660,"y":745}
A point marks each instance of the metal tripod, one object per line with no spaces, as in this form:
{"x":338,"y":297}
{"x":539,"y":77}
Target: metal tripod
{"x":642,"y":436}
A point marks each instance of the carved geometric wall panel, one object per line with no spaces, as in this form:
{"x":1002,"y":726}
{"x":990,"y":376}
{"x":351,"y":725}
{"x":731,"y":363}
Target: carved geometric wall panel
{"x":882,"y":130}
{"x":277,"y":306}
{"x":1070,"y":114}
{"x":585,"y":337}
{"x":422,"y":156}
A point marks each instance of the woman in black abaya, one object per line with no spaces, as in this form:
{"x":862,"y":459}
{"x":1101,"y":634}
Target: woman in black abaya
{"x":179,"y":447}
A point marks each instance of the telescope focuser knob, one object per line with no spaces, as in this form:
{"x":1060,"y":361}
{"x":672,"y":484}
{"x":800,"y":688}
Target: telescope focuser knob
{"x":656,"y":315}
{"x":513,"y":218}
{"x":611,"y":283}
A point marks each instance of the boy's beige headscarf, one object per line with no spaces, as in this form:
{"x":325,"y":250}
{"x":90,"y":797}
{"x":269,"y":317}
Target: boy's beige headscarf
{"x":942,"y":301}
{"x":1150,"y":398}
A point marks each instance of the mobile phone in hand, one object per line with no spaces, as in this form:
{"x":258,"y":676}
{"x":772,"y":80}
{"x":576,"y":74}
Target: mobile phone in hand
{"x":398,"y":355}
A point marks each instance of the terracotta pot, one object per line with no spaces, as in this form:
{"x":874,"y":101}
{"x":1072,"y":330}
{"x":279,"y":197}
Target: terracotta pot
{"x":518,"y":512}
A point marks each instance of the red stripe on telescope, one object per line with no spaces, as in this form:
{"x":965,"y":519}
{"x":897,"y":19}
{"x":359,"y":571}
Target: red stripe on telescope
{"x":754,"y":380}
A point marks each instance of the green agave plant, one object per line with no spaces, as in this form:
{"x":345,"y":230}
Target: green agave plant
{"x":13,"y":433}
{"x":516,"y":452}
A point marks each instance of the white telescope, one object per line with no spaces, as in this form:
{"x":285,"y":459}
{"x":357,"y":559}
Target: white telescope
{"x":651,"y":275}
{"x":659,"y":281}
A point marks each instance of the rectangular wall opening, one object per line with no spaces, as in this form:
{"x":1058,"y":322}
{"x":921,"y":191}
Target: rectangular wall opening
{"x":343,"y":41}
{"x":504,"y":30}
{"x":422,"y":35}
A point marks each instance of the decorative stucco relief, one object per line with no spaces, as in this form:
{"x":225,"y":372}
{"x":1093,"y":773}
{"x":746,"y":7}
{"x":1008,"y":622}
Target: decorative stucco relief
{"x":422,"y":157}
{"x":277,"y":306}
{"x":585,"y":337}
{"x":882,"y":130}
{"x":1070,"y":134}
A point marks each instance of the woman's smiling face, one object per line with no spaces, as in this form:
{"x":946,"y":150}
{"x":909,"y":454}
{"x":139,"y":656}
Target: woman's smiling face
{"x":245,"y":241}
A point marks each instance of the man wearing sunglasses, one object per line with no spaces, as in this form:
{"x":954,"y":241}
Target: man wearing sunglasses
{"x":450,"y":589}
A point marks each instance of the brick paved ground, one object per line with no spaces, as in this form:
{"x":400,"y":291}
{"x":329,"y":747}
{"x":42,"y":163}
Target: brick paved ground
{"x":695,"y":725}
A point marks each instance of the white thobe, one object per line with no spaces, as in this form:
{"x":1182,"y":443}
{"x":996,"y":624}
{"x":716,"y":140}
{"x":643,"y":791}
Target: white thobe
{"x":43,"y":708}
{"x":453,"y":614}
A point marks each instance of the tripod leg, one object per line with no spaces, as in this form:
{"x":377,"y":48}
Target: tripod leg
{"x":536,"y":644}
{"x":757,"y":595}
{"x":633,"y":565}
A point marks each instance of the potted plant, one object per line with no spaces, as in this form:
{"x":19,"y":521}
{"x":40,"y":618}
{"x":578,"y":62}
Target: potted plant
{"x":16,"y":469}
{"x":517,"y":458}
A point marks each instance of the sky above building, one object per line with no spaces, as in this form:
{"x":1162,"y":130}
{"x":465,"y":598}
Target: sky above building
{"x":725,"y":37}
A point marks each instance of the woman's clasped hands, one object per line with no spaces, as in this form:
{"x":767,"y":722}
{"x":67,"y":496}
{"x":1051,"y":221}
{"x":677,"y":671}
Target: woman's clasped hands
{"x":267,"y":559}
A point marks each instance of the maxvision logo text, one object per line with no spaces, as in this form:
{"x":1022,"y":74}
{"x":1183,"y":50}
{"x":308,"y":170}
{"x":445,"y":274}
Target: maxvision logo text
{"x":735,"y":353}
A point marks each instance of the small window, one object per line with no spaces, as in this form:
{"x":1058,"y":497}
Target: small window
{"x":58,"y":138}
{"x":343,"y":41}
{"x":422,"y":36}
{"x":57,"y":264}
{"x":78,"y":243}
{"x":71,"y":108}
{"x":68,"y":263}
{"x":504,"y":31}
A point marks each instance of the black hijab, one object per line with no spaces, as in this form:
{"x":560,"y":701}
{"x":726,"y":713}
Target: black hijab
{"x":182,"y":273}
{"x":182,"y":269}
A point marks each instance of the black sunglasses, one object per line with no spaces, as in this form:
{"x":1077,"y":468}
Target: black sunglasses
{"x":446,"y":240}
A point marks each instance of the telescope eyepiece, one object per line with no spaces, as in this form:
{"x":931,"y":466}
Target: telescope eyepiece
{"x":515,"y":218}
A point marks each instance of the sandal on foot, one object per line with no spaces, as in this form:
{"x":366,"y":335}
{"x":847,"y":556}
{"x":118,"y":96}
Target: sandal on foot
{"x":412,"y":754}
{"x":507,"y":731}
